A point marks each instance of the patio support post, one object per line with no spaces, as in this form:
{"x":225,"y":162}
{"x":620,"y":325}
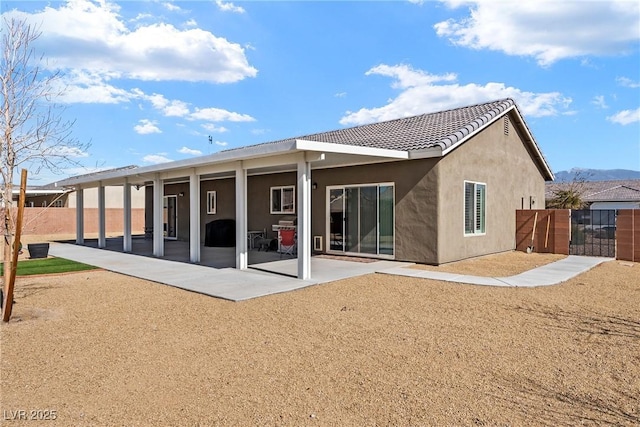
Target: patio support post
{"x":194,"y":217}
{"x":102,"y":239}
{"x":126,"y":205}
{"x":158,"y":225}
{"x":304,"y":219}
{"x":241,"y":217}
{"x":79,"y":215}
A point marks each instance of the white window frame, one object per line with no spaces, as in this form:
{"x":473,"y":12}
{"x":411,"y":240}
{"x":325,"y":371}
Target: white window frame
{"x":478,"y":230}
{"x":212,"y":202}
{"x":292,"y":188}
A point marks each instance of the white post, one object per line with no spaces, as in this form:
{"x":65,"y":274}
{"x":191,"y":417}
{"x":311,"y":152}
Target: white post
{"x":194,"y":217}
{"x":79,"y":215}
{"x":304,"y":219}
{"x":126,"y":207}
{"x":102,"y":239}
{"x":158,"y":225}
{"x":241,"y":218}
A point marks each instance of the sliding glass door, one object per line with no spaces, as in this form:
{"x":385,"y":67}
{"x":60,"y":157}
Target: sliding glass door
{"x":361,"y":219}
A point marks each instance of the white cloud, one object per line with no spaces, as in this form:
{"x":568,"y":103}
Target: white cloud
{"x":626,"y":82}
{"x":146,"y":127}
{"x":625,"y":117}
{"x":156,"y":158}
{"x":221,"y":143}
{"x":65,"y":151}
{"x":219,"y":115}
{"x":229,"y":7}
{"x":185,"y":150}
{"x":172,"y":7}
{"x":92,"y":37}
{"x":420,"y":94}
{"x":405,"y":76}
{"x":340,"y":94}
{"x":90,"y":88}
{"x":169,"y":108}
{"x":599,"y":101}
{"x":546,"y":30}
{"x":213,"y":128}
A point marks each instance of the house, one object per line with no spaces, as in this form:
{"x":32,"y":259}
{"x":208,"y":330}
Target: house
{"x":55,"y":196}
{"x":613,"y":194}
{"x":432,"y":189}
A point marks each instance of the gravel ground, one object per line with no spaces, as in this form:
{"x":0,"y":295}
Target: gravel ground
{"x":101,"y":349}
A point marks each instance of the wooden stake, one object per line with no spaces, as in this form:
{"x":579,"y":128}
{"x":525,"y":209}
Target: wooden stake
{"x":8,"y":297}
{"x":546,"y":236}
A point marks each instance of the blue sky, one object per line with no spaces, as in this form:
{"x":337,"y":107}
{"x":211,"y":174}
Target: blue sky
{"x":150,"y":81}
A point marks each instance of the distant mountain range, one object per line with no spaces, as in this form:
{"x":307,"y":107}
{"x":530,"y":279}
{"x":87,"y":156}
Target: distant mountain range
{"x":596,"y":174}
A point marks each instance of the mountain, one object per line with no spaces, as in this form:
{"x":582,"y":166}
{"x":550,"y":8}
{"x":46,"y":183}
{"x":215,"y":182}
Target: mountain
{"x":596,"y":174}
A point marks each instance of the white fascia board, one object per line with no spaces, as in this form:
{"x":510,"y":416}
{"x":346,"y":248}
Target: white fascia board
{"x":426,"y":153}
{"x":184,"y":167}
{"x":33,"y":191}
{"x":304,"y":145}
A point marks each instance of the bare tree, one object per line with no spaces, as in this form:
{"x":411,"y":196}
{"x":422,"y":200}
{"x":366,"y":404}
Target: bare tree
{"x":33,"y":133}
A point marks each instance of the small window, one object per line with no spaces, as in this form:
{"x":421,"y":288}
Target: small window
{"x":283,"y":200}
{"x":58,"y":204}
{"x":211,"y":202}
{"x":474,"y":207}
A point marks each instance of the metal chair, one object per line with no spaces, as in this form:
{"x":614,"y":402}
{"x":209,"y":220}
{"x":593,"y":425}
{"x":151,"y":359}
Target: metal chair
{"x":287,"y":240}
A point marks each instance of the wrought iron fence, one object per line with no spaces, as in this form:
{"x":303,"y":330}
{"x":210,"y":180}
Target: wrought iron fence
{"x":593,"y":232}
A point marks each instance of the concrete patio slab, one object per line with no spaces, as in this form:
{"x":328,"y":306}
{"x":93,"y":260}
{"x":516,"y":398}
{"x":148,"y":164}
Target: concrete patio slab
{"x":227,"y":283}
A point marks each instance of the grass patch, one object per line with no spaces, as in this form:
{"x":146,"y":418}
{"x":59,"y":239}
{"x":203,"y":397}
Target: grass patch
{"x":48,"y":266}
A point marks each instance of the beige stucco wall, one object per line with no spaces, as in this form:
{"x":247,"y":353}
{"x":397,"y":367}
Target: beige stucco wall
{"x":114,"y":197}
{"x":504,"y":164}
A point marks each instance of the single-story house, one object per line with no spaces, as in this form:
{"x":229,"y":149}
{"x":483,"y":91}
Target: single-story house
{"x":612,"y":194}
{"x":432,"y":188}
{"x":55,"y":196}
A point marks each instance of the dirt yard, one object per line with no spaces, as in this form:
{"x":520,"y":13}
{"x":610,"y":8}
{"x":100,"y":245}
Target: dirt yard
{"x":101,"y":349}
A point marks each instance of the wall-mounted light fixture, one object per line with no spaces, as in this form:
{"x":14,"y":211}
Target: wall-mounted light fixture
{"x":181,"y":194}
{"x":314,"y":185}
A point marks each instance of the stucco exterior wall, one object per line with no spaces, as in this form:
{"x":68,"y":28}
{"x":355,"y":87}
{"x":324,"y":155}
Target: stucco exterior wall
{"x":415,"y":202}
{"x":505,"y":165}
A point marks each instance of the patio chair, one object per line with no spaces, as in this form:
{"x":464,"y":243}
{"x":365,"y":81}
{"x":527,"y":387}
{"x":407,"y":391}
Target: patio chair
{"x":287,"y":240}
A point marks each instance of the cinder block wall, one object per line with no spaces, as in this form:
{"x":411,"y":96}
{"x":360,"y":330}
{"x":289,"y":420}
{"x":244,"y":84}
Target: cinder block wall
{"x":628,"y":235}
{"x":53,"y":221}
{"x":555,"y":241}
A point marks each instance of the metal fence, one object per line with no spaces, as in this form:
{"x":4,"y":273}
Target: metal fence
{"x":593,"y":232}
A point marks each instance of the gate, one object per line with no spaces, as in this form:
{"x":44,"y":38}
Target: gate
{"x":593,"y":232}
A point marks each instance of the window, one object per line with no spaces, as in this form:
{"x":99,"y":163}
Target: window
{"x":211,"y":202}
{"x":283,"y":199}
{"x":58,"y":204}
{"x":474,"y":207}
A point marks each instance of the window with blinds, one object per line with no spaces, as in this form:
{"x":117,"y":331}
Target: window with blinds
{"x":475,"y":195}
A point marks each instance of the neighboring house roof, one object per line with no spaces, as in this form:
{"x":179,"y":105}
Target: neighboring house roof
{"x":600,"y":191}
{"x":425,"y":135}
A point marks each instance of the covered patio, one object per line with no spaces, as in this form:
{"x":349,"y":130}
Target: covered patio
{"x":299,"y":156}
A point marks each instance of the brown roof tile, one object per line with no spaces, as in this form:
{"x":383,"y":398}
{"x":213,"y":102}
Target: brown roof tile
{"x":444,"y":129}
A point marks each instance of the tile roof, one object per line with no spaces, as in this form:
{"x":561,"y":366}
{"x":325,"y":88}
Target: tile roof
{"x":600,"y":191}
{"x":443,"y":129}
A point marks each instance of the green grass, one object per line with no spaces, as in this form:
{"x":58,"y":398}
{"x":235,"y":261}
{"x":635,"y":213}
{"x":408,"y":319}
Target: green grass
{"x":48,"y":266}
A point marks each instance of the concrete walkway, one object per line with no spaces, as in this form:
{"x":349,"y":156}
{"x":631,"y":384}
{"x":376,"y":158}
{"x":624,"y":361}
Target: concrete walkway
{"x":549,"y":274}
{"x":274,"y":277}
{"x":226,"y":283}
